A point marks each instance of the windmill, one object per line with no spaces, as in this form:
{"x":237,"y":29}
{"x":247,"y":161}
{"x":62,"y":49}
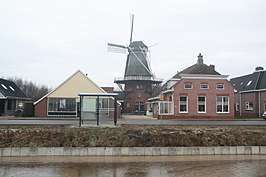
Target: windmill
{"x":138,"y":80}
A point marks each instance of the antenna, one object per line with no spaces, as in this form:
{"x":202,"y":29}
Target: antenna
{"x":131,"y":31}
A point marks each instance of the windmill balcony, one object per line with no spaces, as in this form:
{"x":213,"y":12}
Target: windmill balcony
{"x":137,"y":78}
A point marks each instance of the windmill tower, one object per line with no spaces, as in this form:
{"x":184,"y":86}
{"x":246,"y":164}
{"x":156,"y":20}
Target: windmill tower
{"x":138,"y":82}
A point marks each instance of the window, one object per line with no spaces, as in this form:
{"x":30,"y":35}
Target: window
{"x":202,"y":104}
{"x":249,"y":106}
{"x":237,"y":106}
{"x":4,"y":86}
{"x":249,"y":82}
{"x":62,"y":106}
{"x":139,"y":86}
{"x":128,"y":88}
{"x":220,"y":86}
{"x":183,"y":104}
{"x":12,"y":88}
{"x":188,"y":86}
{"x":103,"y":106}
{"x":166,"y":107}
{"x":222,"y":104}
{"x":104,"y":103}
{"x":204,"y":86}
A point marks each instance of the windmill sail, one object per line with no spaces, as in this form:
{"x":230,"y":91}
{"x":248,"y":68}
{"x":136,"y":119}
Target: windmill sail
{"x":116,"y":48}
{"x":131,"y":31}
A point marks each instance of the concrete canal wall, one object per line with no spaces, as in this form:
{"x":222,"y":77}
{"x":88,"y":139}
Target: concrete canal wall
{"x":131,"y":151}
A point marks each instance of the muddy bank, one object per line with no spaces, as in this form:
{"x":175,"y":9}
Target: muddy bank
{"x":131,"y":136}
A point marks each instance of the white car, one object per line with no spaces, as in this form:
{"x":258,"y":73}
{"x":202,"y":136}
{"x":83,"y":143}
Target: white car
{"x":264,"y":115}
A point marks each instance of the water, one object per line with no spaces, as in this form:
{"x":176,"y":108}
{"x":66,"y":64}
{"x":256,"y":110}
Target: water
{"x":221,"y":166}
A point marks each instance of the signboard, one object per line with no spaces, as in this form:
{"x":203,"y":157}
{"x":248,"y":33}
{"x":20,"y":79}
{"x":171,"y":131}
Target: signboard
{"x":161,"y":97}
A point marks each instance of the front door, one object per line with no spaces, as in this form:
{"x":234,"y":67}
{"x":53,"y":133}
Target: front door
{"x":139,"y":107}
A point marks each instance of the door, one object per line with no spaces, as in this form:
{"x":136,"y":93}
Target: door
{"x":139,"y":107}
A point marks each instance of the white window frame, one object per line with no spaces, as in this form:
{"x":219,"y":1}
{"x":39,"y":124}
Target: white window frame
{"x":188,"y":83}
{"x":182,"y":104}
{"x":166,"y":108}
{"x":204,"y":85}
{"x":223,"y":104}
{"x":220,"y":88}
{"x":201,"y":104}
{"x":249,"y":107}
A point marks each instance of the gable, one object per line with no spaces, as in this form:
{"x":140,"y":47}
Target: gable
{"x":77,"y":83}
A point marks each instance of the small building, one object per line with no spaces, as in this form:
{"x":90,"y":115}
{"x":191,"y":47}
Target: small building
{"x":64,"y":101}
{"x":11,"y":97}
{"x":250,"y":94}
{"x":196,"y":92}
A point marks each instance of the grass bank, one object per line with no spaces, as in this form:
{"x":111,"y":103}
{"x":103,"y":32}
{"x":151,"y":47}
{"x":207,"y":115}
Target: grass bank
{"x":131,"y":136}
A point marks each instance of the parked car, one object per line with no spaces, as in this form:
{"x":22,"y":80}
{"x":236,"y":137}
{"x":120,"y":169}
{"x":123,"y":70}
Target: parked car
{"x":264,"y":115}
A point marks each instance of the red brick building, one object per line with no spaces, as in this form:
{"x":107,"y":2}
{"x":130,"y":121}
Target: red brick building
{"x":250,"y":94}
{"x":198,"y":92}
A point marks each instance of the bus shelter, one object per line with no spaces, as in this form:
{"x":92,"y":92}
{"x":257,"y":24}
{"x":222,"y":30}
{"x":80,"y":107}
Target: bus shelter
{"x":94,"y":104}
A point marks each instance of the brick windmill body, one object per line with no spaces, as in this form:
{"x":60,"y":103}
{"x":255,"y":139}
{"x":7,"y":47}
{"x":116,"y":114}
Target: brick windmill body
{"x":138,"y":82}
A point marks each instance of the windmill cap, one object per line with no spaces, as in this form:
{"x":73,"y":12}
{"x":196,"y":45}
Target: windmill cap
{"x":138,"y":45}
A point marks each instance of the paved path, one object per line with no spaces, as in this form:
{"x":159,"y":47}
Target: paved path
{"x":136,"y":120}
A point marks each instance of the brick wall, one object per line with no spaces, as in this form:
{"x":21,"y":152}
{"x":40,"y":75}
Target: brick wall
{"x":211,"y":95}
{"x":134,"y":94}
{"x":258,"y":104}
{"x":108,"y":89}
{"x":263,"y":101}
{"x":41,"y":108}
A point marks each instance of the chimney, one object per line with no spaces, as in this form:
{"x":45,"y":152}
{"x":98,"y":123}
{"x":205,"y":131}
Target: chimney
{"x":259,"y":68}
{"x":212,"y":67}
{"x":200,"y":59}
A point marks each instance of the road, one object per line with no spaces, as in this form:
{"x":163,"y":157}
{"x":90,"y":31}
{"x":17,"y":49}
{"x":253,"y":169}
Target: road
{"x":137,"y":120}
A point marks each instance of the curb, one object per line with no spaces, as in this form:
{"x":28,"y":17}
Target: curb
{"x":131,"y":151}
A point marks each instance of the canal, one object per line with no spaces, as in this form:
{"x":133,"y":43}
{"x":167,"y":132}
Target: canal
{"x":177,"y":166}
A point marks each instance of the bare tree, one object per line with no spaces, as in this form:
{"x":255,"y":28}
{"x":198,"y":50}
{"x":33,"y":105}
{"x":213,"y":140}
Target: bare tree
{"x":32,"y":90}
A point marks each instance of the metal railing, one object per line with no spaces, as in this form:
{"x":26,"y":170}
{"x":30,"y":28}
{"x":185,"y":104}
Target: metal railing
{"x":132,"y":78}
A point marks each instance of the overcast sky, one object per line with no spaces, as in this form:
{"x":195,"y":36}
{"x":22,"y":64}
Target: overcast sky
{"x":46,"y":41}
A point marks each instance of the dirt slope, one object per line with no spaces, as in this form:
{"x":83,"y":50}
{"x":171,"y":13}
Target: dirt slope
{"x":131,"y":136}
